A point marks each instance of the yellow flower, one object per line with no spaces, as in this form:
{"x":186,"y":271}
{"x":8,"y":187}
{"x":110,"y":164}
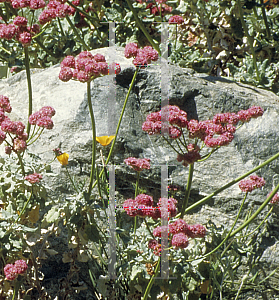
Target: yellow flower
{"x":63,"y":159}
{"x":105,"y":140}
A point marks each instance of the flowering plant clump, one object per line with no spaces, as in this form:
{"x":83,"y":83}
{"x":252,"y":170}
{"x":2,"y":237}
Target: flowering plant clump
{"x":212,"y":133}
{"x":11,"y":271}
{"x":85,"y":67}
{"x":254,"y":182}
{"x":142,"y":57}
{"x":138,"y":164}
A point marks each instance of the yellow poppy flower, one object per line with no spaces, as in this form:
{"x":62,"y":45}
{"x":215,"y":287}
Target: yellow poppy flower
{"x":63,"y":159}
{"x":105,"y":140}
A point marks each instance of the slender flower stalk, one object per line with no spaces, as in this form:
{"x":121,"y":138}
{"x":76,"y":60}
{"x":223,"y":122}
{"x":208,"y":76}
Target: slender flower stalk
{"x":73,"y":184}
{"x":249,"y":37}
{"x":29,"y":85}
{"x":188,"y":190}
{"x":142,"y":27}
{"x":268,"y":35}
{"x":94,"y":138}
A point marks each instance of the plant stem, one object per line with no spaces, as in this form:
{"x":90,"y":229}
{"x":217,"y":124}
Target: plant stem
{"x":188,"y":190}
{"x":21,"y":163}
{"x":151,"y":281}
{"x":265,"y":20}
{"x":27,"y":66}
{"x":23,"y":210}
{"x":94,"y":138}
{"x":74,"y":186}
{"x":60,"y":26}
{"x":76,"y":33}
{"x":137,"y":184}
{"x":203,"y":200}
{"x":142,"y":27}
{"x":249,"y":37}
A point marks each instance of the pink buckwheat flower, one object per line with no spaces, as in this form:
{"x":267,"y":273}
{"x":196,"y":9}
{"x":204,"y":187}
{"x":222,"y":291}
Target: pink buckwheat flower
{"x":138,"y":164}
{"x":25,"y":38}
{"x":172,"y":210}
{"x":176,"y":20}
{"x":144,"y":199}
{"x":99,"y":58}
{"x":248,"y":185}
{"x":20,"y":21}
{"x":34,"y":117}
{"x":21,"y":265}
{"x":178,"y":226}
{"x":255,"y":111}
{"x":275,"y":198}
{"x":47,"y":111}
{"x":10,"y":272}
{"x":45,"y":122}
{"x":65,"y":74}
{"x":157,"y":232}
{"x":2,"y":137}
{"x":37,"y":4}
{"x":131,"y":50}
{"x":152,"y":244}
{"x":196,"y":231}
{"x":19,"y":145}
{"x":68,"y":61}
{"x":179,"y":240}
{"x":33,"y":178}
{"x":9,"y":126}
{"x":5,"y":104}
{"x":131,"y":207}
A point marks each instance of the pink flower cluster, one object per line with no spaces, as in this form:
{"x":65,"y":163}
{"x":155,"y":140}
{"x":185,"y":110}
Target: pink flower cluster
{"x":214,"y":133}
{"x":180,"y":231}
{"x":138,"y":164}
{"x":143,"y":206}
{"x":176,"y":20}
{"x":248,"y":185}
{"x":275,"y":198}
{"x":85,"y":67}
{"x":191,"y":156}
{"x":155,"y":9}
{"x":42,"y":118}
{"x":55,"y":9}
{"x":33,"y":178}
{"x":142,"y":57}
{"x":11,"y":127}
{"x":176,"y":117}
{"x":11,"y":271}
{"x":19,"y":30}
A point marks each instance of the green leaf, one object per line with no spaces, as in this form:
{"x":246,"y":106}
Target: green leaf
{"x":52,"y":215}
{"x":92,"y":233}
